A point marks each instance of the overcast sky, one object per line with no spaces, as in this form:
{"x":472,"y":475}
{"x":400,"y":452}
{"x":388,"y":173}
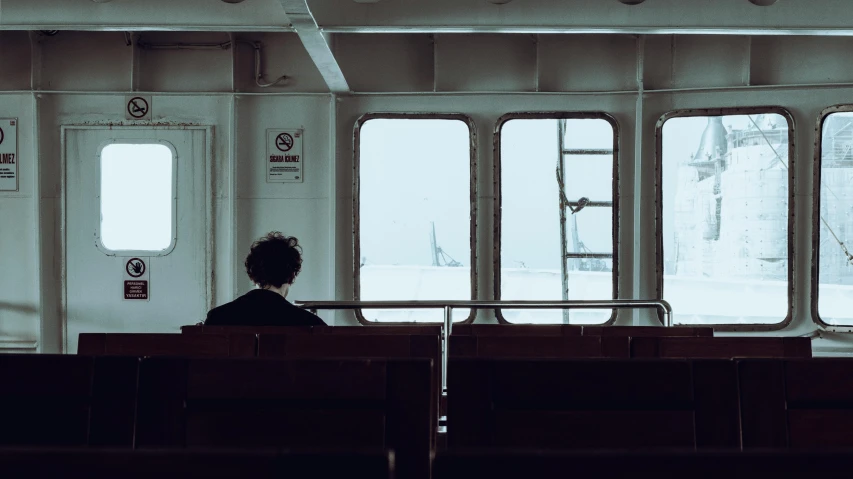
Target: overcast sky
{"x":414,"y":172}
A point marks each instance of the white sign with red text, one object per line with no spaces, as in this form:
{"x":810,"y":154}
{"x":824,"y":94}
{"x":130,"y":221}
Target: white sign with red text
{"x":284,"y":156}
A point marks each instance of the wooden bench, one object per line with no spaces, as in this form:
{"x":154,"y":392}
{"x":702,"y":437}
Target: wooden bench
{"x":201,"y":329}
{"x":252,"y":403}
{"x":349,"y":346}
{"x":797,"y":403}
{"x":182,"y":464}
{"x":721,"y":347}
{"x":153,"y":344}
{"x":415,"y":329}
{"x":393,"y":346}
{"x":508,"y":464}
{"x":539,"y":347}
{"x":59,"y":400}
{"x":346,"y":330}
{"x":592,"y":404}
{"x":647,"y":331}
{"x":515,"y":330}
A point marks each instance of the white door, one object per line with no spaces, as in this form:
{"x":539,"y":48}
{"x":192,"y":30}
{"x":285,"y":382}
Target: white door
{"x":135,"y":194}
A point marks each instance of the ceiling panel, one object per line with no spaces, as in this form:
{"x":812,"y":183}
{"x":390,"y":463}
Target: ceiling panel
{"x":144,"y":14}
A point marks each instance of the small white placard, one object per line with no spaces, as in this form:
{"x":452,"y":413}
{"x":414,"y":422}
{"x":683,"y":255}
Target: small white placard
{"x":137,"y":107}
{"x":136,"y":279}
{"x":284,"y":156}
{"x":9,"y":154}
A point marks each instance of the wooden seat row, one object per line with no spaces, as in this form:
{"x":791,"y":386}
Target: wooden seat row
{"x":395,"y":345}
{"x":166,"y":402}
{"x":100,"y":463}
{"x":692,"y":404}
{"x":465,"y":330}
{"x":268,"y":346}
{"x":301,"y":345}
{"x":183,"y":402}
{"x":510,"y":464}
{"x":501,"y":464}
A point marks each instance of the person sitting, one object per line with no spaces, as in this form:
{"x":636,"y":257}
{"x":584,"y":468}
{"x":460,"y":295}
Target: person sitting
{"x":272,"y":264}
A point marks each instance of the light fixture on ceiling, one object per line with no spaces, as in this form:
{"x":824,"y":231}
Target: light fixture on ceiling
{"x":762,"y":3}
{"x":632,"y":2}
{"x":233,"y":1}
{"x":499,"y":2}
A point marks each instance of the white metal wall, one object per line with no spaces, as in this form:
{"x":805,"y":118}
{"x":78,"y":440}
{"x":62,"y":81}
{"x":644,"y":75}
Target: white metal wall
{"x":83,"y":77}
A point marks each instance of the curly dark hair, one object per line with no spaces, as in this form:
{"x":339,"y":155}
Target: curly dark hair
{"x":274,"y":260}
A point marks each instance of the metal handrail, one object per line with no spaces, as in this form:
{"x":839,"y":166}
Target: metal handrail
{"x":660,"y":304}
{"x":448,"y":307}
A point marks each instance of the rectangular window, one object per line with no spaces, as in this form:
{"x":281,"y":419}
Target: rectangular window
{"x":414,"y":213}
{"x":137,"y":198}
{"x":724,"y":193}
{"x":835,"y":221}
{"x":557,"y":234}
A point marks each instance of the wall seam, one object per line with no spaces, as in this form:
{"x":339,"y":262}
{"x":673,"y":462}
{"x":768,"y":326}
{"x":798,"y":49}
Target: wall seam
{"x":333,"y":203}
{"x":232,"y":199}
{"x":636,"y":231}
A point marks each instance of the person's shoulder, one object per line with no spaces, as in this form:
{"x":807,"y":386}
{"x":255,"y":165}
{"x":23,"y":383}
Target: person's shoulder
{"x":216,"y":315}
{"x":222,"y":315}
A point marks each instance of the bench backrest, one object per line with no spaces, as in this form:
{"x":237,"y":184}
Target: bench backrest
{"x":179,"y":464}
{"x":539,"y":347}
{"x":154,"y":344}
{"x":721,"y":347}
{"x":647,"y":331}
{"x":396,"y":346}
{"x":601,"y":404}
{"x":504,"y":464}
{"x":348,"y":346}
{"x":797,"y":403}
{"x":289,"y":403}
{"x":201,"y":329}
{"x":61,"y":400}
{"x":516,"y":330}
{"x":347,"y":330}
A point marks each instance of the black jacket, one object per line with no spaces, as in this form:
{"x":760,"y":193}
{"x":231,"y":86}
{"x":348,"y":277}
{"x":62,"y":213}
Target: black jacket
{"x":261,"y":307}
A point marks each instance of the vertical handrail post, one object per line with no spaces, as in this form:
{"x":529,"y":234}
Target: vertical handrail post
{"x":445,"y":347}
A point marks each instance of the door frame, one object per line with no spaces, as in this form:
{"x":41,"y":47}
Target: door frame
{"x":206,"y":171}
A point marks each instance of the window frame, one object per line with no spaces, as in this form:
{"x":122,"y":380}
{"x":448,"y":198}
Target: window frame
{"x":816,"y":203}
{"x":174,"y":198}
{"x":498,"y":196}
{"x":356,"y":190}
{"x":792,"y":161}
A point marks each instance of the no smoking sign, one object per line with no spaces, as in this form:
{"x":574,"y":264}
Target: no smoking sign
{"x":284,"y":142}
{"x":285,"y":162}
{"x":137,"y":107}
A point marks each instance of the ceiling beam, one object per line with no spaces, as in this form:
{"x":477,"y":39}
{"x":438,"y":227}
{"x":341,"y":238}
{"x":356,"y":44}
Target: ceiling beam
{"x":571,"y":30}
{"x":316,"y":43}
